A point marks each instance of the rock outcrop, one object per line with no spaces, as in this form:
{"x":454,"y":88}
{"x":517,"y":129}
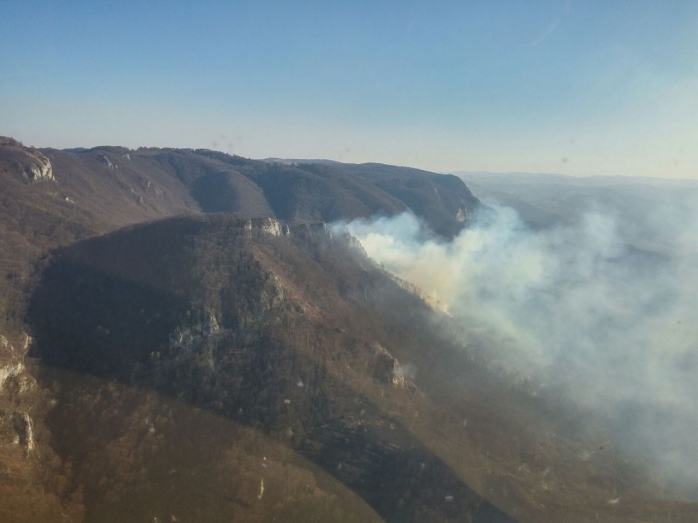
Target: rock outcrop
{"x":9,"y":371}
{"x":386,"y":368}
{"x":31,"y":163}
{"x":40,"y":169}
{"x":106,"y":161}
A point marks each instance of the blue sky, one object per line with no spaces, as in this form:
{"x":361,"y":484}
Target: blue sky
{"x":582,"y":88}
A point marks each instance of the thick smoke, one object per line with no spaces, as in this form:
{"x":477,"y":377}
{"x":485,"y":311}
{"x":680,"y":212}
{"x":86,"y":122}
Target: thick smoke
{"x":572,"y":308}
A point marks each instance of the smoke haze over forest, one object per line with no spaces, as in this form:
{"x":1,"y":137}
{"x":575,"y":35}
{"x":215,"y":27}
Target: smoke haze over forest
{"x":574,"y":309}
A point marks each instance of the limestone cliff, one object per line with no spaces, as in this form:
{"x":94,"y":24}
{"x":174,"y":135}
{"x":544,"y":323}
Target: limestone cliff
{"x":30,"y":163}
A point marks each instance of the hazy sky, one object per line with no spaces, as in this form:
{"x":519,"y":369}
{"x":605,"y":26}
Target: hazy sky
{"x":576,"y":87}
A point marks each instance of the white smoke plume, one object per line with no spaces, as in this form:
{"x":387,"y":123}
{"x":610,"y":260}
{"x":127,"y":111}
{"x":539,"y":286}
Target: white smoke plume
{"x":575,"y":308}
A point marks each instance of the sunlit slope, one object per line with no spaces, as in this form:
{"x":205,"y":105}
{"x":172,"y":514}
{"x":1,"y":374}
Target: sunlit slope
{"x":137,"y":456}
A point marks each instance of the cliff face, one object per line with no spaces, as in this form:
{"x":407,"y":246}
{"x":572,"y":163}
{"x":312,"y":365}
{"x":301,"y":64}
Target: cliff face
{"x":29,"y":163}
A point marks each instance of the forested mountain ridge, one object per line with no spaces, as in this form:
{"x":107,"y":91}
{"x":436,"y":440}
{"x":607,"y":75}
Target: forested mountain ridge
{"x":52,"y":198}
{"x":202,"y":347}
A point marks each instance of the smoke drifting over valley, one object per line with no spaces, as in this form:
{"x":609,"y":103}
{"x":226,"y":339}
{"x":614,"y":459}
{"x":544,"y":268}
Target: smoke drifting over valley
{"x":574,"y":309}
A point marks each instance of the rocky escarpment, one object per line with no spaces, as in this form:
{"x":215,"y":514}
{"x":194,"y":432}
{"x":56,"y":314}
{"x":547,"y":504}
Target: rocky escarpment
{"x":32,"y":484}
{"x":30,"y":163}
{"x":243,"y":317}
{"x":40,"y":168}
{"x":16,"y":396}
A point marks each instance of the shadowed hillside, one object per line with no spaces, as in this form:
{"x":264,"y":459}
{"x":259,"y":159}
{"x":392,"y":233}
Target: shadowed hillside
{"x":53,"y":198}
{"x":326,"y":388}
{"x":245,"y":318}
{"x":294,"y":333}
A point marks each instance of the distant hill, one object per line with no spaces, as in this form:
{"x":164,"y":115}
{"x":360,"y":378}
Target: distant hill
{"x":646,"y":210}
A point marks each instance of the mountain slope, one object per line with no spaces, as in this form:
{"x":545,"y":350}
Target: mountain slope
{"x":314,"y":375}
{"x":295,"y":334}
{"x":54,"y":198}
{"x":232,"y":315}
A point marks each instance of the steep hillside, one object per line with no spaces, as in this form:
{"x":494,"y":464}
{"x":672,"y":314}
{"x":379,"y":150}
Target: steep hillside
{"x":54,"y":198}
{"x":297,"y":336}
{"x":232,"y":315}
{"x":86,"y":194}
{"x":247,"y":365}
